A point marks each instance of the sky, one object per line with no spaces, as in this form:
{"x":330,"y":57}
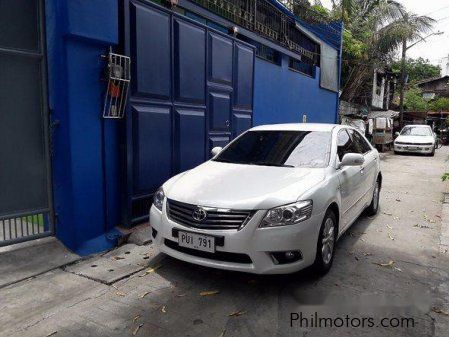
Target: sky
{"x":436,"y":49}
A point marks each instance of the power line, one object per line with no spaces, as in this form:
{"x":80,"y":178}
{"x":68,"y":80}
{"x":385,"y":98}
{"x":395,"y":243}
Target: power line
{"x":442,"y":19}
{"x":437,"y":10}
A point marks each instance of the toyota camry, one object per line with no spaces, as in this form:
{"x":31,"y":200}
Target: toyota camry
{"x":275,"y":200}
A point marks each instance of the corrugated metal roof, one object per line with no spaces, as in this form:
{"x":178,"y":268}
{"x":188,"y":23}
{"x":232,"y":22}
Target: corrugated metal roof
{"x":383,"y":114}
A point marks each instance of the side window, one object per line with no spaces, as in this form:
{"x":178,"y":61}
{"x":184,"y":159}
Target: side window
{"x":360,"y":142}
{"x":344,"y":144}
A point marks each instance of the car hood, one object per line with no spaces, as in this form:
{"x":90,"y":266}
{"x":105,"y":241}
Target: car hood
{"x":238,"y":186}
{"x":415,"y":139}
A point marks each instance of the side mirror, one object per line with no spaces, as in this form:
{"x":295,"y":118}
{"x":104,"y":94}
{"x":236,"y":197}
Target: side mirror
{"x":396,"y":134}
{"x":352,"y":159}
{"x":216,"y":150}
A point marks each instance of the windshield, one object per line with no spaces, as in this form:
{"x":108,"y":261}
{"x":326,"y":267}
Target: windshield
{"x":416,"y":131}
{"x":279,"y":148}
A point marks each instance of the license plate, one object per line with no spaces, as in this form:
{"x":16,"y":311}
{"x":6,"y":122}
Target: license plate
{"x":202,"y":242}
{"x":412,"y":148}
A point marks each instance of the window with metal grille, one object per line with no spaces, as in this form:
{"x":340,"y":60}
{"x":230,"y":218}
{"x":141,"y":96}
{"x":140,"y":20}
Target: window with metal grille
{"x":263,"y":51}
{"x":304,"y":66}
{"x":267,"y":53}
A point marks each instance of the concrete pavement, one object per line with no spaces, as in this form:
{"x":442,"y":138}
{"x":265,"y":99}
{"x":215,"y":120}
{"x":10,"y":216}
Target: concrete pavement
{"x":391,"y":268}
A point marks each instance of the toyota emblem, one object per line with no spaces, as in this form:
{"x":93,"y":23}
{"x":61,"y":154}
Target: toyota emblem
{"x":199,"y":214}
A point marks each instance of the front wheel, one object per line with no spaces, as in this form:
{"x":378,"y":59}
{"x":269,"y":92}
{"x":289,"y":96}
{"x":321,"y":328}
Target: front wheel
{"x":374,"y":206}
{"x":326,"y":244}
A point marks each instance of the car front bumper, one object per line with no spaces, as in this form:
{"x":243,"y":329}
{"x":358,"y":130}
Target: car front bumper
{"x":251,"y":241}
{"x":405,"y":148}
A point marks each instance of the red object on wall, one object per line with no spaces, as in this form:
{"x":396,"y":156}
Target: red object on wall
{"x":114,"y":90}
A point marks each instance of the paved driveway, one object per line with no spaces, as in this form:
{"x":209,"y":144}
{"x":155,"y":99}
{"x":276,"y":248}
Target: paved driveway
{"x":388,"y":270}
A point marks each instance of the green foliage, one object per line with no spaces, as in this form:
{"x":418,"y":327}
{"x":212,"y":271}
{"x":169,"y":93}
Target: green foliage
{"x":417,"y":69}
{"x":439,"y":104}
{"x":445,"y":176}
{"x":414,"y":101}
{"x":353,"y":48}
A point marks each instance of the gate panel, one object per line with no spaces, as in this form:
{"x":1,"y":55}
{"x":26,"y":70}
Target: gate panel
{"x":190,"y":140}
{"x":244,"y":57}
{"x":152,"y":148}
{"x":220,"y":59}
{"x":190,"y":62}
{"x":183,"y":99}
{"x":25,"y":197}
{"x":151,"y":52}
{"x":219,"y":111}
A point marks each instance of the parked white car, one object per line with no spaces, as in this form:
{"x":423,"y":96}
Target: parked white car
{"x":274,"y":200}
{"x":415,"y":138}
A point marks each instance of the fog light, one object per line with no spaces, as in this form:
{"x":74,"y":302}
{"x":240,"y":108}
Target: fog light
{"x":286,"y":257}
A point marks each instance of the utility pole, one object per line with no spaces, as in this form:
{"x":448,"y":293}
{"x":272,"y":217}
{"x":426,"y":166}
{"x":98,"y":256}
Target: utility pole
{"x":403,"y":74}
{"x":402,"y":83}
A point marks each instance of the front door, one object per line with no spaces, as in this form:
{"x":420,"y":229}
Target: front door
{"x":351,"y":179}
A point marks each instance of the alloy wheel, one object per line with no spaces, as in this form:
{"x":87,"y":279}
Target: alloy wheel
{"x":376,"y":196}
{"x":327,"y":248}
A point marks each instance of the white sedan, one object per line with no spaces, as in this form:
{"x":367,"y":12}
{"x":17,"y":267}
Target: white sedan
{"x":274,"y":200}
{"x":415,"y":138}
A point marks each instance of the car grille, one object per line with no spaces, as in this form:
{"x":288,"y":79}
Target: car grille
{"x":414,"y":144}
{"x":217,"y":218}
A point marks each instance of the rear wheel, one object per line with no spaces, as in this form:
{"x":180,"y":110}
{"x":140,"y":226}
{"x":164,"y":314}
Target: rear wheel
{"x":374,"y":206}
{"x":326,"y":244}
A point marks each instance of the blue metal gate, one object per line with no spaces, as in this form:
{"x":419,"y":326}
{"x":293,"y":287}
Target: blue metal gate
{"x":191,"y":90}
{"x":26,"y":210}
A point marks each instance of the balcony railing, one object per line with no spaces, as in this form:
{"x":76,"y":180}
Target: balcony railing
{"x":266,"y":20}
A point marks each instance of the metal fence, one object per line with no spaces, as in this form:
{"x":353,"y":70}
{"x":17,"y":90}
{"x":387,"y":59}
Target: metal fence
{"x":25,"y":227}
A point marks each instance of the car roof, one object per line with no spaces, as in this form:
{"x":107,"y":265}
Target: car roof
{"x":296,"y":127}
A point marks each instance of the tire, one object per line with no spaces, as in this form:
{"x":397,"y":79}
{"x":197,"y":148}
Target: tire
{"x":433,"y":152}
{"x":326,"y":244}
{"x":396,"y":152}
{"x":373,"y":208}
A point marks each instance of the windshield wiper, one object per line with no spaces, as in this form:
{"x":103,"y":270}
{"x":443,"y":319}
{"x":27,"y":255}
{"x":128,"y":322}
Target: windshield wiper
{"x":262,"y":163}
{"x":223,"y":161}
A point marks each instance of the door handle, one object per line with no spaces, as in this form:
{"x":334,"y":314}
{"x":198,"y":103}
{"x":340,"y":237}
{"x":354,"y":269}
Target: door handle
{"x":362,"y":170}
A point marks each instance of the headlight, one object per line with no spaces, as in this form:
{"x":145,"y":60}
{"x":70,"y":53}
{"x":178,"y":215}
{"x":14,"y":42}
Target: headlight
{"x":288,"y":214}
{"x":158,"y":199}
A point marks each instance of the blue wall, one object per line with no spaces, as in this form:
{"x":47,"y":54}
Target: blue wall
{"x":86,"y":163}
{"x":283,"y":96}
{"x":78,"y":33}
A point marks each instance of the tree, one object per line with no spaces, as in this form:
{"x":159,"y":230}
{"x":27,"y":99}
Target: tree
{"x":409,"y":27}
{"x":417,"y":69}
{"x":374,"y":31}
{"x":414,"y":101}
{"x":440,"y":104}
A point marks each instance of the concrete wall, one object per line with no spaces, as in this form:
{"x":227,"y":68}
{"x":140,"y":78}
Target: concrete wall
{"x":284,"y":96}
{"x":78,"y":33}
